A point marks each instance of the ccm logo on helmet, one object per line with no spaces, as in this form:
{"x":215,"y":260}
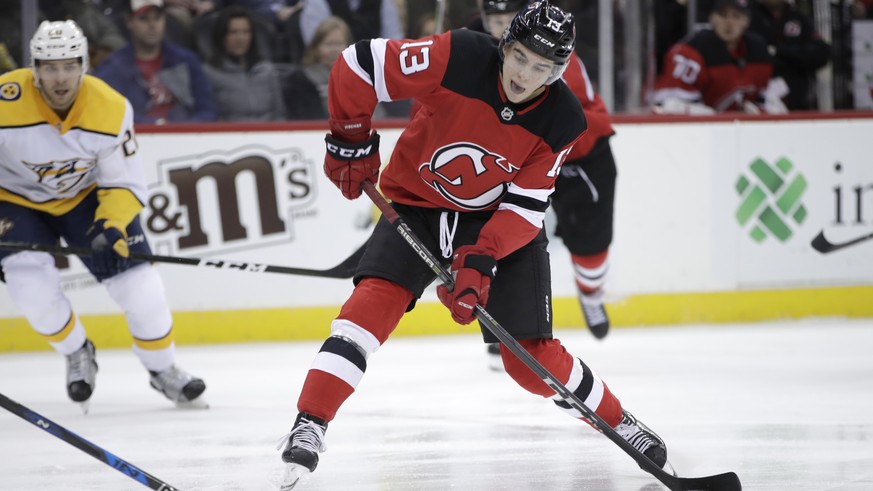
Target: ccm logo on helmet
{"x":544,"y":41}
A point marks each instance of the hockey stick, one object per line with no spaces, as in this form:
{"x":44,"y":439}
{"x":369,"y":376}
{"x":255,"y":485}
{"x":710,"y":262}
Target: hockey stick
{"x":345,"y":269}
{"x":824,"y":246}
{"x":84,"y":445}
{"x":728,"y":481}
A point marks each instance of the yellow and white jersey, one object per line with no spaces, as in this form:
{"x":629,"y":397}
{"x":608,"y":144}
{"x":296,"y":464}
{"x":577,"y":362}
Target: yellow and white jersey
{"x":49,"y":164}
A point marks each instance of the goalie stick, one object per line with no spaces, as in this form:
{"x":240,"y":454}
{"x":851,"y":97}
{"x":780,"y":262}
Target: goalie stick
{"x":343,"y":270}
{"x":728,"y":481}
{"x":84,"y":445}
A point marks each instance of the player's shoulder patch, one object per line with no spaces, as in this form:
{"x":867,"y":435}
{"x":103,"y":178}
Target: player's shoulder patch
{"x":17,"y":94}
{"x":10,"y":91}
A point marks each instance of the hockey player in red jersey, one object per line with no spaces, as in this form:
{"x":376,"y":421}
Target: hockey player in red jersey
{"x":471,"y":175}
{"x":585,"y":188}
{"x":723,"y":68}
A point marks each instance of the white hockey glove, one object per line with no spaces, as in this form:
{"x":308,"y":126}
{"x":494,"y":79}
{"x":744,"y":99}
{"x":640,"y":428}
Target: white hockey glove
{"x":773,"y":94}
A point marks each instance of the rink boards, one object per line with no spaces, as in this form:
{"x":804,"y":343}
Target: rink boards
{"x":715,"y":221}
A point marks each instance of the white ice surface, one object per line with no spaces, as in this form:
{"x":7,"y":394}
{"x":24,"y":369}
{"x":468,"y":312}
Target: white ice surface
{"x":785,"y":405}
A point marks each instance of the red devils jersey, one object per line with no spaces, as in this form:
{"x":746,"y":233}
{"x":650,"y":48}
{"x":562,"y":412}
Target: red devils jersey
{"x":469,"y":148}
{"x":701,"y":69}
{"x":599,"y":122}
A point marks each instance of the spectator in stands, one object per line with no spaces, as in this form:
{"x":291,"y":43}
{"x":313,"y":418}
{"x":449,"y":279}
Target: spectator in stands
{"x":722,"y":68}
{"x":797,"y":49}
{"x":283,"y":17}
{"x":366,"y":19}
{"x":306,"y":88}
{"x":163,"y":82}
{"x":246,"y":87}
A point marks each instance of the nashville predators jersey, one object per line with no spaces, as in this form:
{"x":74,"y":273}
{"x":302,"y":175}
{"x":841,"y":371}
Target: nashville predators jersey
{"x":49,"y":164}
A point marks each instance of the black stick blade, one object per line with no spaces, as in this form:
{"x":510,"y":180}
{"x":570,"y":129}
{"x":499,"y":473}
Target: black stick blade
{"x":729,"y":481}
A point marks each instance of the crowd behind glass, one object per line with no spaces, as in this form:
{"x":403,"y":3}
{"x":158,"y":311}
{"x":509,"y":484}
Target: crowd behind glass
{"x":265,"y":60}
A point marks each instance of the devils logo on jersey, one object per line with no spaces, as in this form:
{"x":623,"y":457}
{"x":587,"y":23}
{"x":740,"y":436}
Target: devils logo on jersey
{"x":468,"y":175}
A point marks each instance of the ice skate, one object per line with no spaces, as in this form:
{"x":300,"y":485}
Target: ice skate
{"x":180,"y":387}
{"x":595,"y":313}
{"x":82,"y":375}
{"x":300,"y":449}
{"x":642,"y":438}
{"x":495,"y":361}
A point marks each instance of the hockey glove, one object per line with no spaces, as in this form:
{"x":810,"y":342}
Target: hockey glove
{"x":352,"y":155}
{"x":473,"y":270}
{"x":109,"y":250}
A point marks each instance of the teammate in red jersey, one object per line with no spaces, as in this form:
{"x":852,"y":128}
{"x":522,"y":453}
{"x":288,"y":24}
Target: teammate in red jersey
{"x":721,"y":69}
{"x":585,"y":189}
{"x":471,"y":175}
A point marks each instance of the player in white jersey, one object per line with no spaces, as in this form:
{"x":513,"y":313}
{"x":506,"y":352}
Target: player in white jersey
{"x":69,"y":169}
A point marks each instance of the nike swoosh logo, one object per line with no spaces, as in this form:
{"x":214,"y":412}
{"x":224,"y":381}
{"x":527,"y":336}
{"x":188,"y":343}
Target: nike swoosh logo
{"x":824,"y":246}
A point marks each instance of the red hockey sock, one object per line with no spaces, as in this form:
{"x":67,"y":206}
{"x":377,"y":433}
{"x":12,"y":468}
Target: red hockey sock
{"x":590,"y":271}
{"x":376,"y":306}
{"x":323,"y":394}
{"x":610,"y":408}
{"x":550,"y":353}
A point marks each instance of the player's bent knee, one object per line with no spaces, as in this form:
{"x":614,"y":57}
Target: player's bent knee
{"x":356,"y":335}
{"x":140,"y":293}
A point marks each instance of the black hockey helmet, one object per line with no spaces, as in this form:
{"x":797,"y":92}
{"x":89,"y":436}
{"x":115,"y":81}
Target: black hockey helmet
{"x":547,"y":31}
{"x":503,"y":6}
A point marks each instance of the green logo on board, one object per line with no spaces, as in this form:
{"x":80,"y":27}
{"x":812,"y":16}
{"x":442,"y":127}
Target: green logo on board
{"x":771,"y":203}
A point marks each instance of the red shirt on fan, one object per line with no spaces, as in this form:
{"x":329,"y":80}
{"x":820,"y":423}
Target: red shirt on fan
{"x":469,"y":148}
{"x":701,"y":69}
{"x":160,"y":97}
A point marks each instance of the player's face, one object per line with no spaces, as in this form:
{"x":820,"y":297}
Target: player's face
{"x":524,"y":73}
{"x":729,"y":24}
{"x":59,"y":82}
{"x":239,"y":37}
{"x":497,"y":23}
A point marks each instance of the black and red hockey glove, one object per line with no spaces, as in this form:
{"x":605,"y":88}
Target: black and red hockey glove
{"x":473,"y":269}
{"x":352,"y":155}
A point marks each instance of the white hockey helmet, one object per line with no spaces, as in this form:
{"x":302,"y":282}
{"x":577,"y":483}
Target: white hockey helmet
{"x":58,"y":40}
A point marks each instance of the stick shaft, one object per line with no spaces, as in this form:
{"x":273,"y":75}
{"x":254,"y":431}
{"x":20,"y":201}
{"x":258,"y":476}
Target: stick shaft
{"x":346,"y":269}
{"x":86,"y":446}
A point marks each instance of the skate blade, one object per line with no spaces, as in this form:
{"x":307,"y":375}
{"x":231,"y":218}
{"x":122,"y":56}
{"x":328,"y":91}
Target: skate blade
{"x":197,"y":404}
{"x":85,"y":406}
{"x":293,"y":476}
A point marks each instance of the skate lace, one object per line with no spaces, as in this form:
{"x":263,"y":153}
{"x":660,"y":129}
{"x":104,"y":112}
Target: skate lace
{"x":307,"y":435}
{"x":594,"y":313}
{"x":79,"y":364}
{"x":638,"y":437}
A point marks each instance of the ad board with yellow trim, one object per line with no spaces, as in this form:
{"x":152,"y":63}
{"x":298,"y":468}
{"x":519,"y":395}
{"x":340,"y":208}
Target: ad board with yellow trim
{"x":717,"y":221}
